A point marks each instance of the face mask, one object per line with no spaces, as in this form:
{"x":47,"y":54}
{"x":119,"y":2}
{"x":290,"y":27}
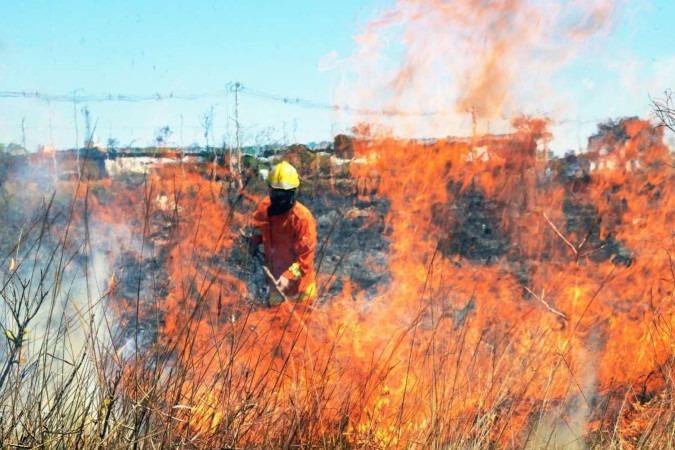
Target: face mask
{"x":281,"y":201}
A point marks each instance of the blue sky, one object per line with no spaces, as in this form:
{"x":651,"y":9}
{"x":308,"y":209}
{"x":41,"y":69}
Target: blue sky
{"x":294,"y":49}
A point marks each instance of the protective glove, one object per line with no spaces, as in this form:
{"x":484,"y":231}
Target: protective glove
{"x":282,"y":283}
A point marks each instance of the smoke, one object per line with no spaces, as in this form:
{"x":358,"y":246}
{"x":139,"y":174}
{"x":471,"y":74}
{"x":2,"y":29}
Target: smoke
{"x":55,"y":281}
{"x":435,"y":67}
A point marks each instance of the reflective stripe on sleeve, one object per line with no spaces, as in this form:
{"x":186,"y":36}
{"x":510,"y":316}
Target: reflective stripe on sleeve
{"x":295,"y":270}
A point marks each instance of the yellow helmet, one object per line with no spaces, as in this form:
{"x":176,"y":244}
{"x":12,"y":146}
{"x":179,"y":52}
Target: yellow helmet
{"x":283,"y":176}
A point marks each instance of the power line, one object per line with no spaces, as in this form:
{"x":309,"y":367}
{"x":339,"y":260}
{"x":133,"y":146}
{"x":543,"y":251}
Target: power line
{"x":239,"y":89}
{"x":97,"y":98}
{"x":344,"y":108}
{"x":231,"y":87}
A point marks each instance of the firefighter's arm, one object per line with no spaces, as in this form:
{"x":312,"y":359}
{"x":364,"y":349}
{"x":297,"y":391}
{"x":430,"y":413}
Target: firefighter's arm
{"x":305,"y":248}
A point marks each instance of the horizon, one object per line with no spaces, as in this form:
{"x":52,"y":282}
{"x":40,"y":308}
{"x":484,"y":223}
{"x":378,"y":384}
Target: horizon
{"x":257,"y":150}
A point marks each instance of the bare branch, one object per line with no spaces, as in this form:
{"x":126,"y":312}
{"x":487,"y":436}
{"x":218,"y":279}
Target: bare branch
{"x":664,"y":109}
{"x":572,"y":246}
{"x":545,"y":303}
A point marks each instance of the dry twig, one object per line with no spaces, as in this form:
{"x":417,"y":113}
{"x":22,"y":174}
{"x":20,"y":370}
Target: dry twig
{"x":545,"y":303}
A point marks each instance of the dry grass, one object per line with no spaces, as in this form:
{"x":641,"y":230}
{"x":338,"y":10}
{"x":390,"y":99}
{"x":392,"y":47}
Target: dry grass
{"x":79,"y":372}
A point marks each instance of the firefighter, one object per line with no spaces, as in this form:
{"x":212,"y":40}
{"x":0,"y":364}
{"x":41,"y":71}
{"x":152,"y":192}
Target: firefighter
{"x":287,"y":230}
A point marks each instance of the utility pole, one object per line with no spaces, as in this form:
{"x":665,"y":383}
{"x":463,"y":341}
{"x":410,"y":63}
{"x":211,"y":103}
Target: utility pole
{"x":23,"y":132}
{"x":51,"y":141}
{"x":236,"y":115}
{"x":77,"y":134}
{"x":89,"y":138}
{"x":181,"y":133}
{"x":236,"y":167}
{"x":207,"y":123}
{"x":77,"y":131}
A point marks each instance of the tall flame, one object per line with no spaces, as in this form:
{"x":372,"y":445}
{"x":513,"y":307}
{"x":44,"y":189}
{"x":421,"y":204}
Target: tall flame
{"x":431,"y":68}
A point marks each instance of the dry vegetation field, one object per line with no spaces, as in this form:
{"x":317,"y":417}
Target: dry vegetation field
{"x":474,"y":293}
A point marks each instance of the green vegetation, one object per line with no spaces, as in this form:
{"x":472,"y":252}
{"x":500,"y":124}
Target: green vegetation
{"x":12,"y":149}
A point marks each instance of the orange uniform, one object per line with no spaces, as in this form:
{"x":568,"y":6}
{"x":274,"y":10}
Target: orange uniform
{"x":290,"y":246}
